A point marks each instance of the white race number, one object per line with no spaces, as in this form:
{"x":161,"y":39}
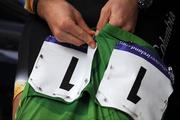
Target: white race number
{"x":60,"y":71}
{"x":136,"y":83}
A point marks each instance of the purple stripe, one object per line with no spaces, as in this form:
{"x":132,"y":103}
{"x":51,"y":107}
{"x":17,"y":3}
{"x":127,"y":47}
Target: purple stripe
{"x":82,"y":48}
{"x":52,"y":39}
{"x":145,"y":54}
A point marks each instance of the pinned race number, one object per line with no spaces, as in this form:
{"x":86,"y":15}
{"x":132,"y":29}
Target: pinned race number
{"x":61,"y":72}
{"x":136,"y":82}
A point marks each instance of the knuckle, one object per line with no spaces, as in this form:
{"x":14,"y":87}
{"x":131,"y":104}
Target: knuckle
{"x":78,"y":15}
{"x":103,"y":9}
{"x":80,"y":20}
{"x":117,"y":22}
{"x":65,"y":23}
{"x":129,"y":28}
{"x":84,"y":36}
{"x":81,"y":33}
{"x":57,"y":34}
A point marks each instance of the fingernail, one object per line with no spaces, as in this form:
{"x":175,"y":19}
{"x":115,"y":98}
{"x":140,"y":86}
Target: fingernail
{"x":97,"y":32}
{"x":92,"y":44}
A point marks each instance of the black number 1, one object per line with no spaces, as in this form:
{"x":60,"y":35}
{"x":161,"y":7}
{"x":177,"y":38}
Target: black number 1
{"x":65,"y":83}
{"x":133,"y":97}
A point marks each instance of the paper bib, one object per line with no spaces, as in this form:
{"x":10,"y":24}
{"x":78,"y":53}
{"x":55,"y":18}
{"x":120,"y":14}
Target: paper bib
{"x":61,"y":72}
{"x":135,"y":82}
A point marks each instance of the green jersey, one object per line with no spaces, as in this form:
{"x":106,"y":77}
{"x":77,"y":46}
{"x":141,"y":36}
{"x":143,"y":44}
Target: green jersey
{"x":37,"y":106}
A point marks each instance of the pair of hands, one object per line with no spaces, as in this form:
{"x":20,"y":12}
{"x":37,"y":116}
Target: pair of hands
{"x":67,"y":24}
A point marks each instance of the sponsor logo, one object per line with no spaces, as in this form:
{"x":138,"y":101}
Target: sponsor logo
{"x":169,"y":23}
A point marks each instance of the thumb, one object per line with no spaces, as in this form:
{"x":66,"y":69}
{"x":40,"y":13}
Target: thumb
{"x":104,"y":18}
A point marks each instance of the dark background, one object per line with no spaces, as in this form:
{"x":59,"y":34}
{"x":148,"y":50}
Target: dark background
{"x":16,"y":26}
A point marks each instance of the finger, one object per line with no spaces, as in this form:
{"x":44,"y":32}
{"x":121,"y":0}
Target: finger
{"x":127,"y":28}
{"x":83,"y":25}
{"x":122,"y":26}
{"x":104,"y":18}
{"x":117,"y":19}
{"x":78,"y":32}
{"x":68,"y":38}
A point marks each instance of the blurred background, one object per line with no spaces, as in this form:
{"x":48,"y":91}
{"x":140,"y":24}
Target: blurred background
{"x":13,"y":20}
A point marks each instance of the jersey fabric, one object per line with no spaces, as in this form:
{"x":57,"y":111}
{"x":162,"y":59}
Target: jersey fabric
{"x":36,"y":106}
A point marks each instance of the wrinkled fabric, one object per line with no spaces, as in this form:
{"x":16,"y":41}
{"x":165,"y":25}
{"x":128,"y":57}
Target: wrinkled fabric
{"x":39,"y":107}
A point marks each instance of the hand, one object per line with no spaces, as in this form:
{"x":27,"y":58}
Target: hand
{"x":65,"y":22}
{"x":121,"y":13}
